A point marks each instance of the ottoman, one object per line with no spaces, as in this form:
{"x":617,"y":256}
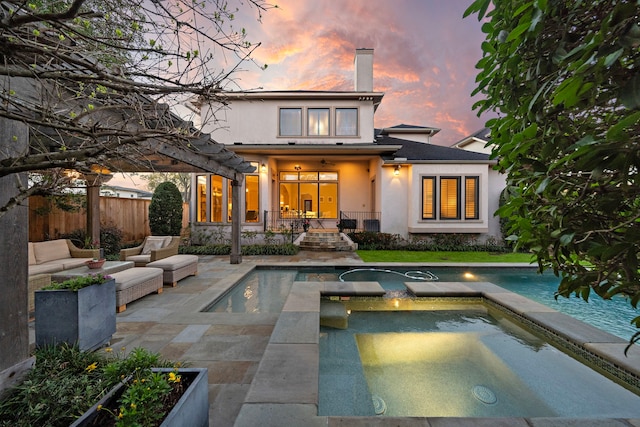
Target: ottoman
{"x":135,"y":283}
{"x":176,"y":267}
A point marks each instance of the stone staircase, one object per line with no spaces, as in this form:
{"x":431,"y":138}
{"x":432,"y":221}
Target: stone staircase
{"x":325,"y":240}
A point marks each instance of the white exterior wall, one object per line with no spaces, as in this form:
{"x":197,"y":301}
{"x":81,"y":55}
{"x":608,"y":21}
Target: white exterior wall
{"x":497,"y":183}
{"x":395,"y":201}
{"x":256,"y":121}
{"x":418,"y":225}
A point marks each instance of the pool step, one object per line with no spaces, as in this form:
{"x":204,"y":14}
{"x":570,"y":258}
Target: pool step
{"x":321,"y":240}
{"x":333,"y":315}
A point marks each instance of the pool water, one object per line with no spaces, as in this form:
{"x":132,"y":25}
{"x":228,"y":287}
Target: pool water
{"x":466,"y":360}
{"x":262,"y":291}
{"x":613,"y":316}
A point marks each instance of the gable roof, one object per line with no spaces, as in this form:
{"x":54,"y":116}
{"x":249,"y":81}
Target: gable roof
{"x":403,"y":128}
{"x":483,"y":135}
{"x":420,"y":152}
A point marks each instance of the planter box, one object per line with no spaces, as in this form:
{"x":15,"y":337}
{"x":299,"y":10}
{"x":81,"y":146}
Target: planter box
{"x":86,"y":317}
{"x":192,"y":410}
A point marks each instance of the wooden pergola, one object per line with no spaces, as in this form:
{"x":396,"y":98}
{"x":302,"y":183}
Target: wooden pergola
{"x":203,"y":154}
{"x":195,"y":152}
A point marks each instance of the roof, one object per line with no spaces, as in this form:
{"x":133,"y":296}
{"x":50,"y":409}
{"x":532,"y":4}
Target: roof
{"x":416,"y":152}
{"x":403,"y":128}
{"x":142,"y":193}
{"x":483,"y":134}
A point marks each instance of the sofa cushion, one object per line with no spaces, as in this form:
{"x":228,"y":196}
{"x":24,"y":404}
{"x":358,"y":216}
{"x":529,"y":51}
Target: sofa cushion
{"x":49,"y":267}
{"x":51,"y":250}
{"x":32,"y":255}
{"x":153,"y":243}
{"x":139,"y":258}
{"x":174,"y":262}
{"x":133,"y":276}
{"x":75,"y":262}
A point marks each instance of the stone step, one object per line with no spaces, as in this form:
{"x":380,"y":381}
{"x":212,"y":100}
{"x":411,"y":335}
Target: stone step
{"x":324,"y":240}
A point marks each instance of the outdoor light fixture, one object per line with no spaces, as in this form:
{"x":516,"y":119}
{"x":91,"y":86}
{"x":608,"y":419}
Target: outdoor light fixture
{"x":297,"y":167}
{"x":263,"y":167}
{"x":396,"y":170}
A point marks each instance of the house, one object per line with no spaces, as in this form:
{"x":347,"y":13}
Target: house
{"x":318,"y":157}
{"x":478,"y":142}
{"x":124,"y":192}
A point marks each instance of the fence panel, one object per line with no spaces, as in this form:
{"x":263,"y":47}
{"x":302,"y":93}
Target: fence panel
{"x":129,"y":215}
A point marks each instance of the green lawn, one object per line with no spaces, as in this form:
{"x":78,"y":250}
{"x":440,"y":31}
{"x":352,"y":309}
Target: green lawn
{"x":437,"y":256}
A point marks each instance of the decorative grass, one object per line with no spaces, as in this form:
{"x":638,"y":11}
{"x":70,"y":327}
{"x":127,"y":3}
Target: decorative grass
{"x":442,"y":256}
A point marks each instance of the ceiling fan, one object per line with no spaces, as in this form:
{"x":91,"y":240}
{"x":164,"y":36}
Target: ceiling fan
{"x":324,"y":162}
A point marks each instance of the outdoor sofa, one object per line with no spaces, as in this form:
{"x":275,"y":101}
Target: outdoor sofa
{"x":50,"y":257}
{"x":53,"y":256}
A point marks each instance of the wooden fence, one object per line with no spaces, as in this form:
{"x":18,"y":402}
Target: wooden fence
{"x":129,"y":215}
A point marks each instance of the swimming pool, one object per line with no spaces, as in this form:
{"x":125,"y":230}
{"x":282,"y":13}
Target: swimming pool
{"x":613,"y":316}
{"x":455,"y":359}
{"x":262,"y":291}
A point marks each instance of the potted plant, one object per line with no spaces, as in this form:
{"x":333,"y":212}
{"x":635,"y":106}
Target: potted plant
{"x":78,"y":311}
{"x":138,"y":389}
{"x":150,"y":391}
{"x":177,"y":397}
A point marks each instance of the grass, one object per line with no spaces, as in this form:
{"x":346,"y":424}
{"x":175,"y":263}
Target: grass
{"x":441,"y":256}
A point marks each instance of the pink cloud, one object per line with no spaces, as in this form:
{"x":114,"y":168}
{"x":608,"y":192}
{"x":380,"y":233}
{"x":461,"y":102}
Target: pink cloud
{"x":424,"y":56}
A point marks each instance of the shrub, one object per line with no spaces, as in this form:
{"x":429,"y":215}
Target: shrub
{"x":110,"y":239}
{"x":165,"y":210}
{"x":65,"y":382}
{"x":370,"y":240}
{"x":222,"y":249}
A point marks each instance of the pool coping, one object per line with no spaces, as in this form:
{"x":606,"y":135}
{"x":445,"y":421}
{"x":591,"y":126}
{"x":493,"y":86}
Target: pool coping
{"x":284,"y":389}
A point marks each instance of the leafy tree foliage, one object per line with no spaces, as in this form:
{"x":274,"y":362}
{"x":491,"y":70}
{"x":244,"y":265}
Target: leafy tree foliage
{"x":165,"y":210}
{"x":181,"y":180}
{"x":93,"y":79}
{"x":562,"y":77}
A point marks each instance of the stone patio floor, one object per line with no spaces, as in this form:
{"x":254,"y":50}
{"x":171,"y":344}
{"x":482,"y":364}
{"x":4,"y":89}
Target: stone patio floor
{"x":232,"y":347}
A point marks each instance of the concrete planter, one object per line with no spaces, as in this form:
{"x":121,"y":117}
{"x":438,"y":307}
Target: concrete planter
{"x":86,"y":317}
{"x":192,"y":410}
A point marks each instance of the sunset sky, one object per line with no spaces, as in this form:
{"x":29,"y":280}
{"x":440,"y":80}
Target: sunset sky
{"x":424,"y":57}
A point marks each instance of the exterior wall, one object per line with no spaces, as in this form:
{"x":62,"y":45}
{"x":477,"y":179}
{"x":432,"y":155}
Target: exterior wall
{"x":256,"y":122}
{"x":418,"y":225}
{"x":497,"y":183}
{"x":395,"y":200}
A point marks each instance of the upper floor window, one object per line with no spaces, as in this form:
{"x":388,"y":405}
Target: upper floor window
{"x":290,"y":122}
{"x":346,"y":121}
{"x":314,"y":121}
{"x":318,"y":121}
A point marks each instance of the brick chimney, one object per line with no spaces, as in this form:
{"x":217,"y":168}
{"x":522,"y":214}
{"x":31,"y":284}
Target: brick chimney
{"x":363,"y":76}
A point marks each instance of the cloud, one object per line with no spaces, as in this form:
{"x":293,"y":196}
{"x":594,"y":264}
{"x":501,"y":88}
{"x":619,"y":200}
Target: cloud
{"x":424,"y":57}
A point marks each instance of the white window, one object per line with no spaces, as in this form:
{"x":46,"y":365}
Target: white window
{"x":450,"y":197}
{"x":346,"y":121}
{"x":318,"y":121}
{"x":290,"y":122}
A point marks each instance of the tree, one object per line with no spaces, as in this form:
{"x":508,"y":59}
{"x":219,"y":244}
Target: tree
{"x":181,"y":180}
{"x":563,"y":79}
{"x":165,"y":210}
{"x":92,"y":79}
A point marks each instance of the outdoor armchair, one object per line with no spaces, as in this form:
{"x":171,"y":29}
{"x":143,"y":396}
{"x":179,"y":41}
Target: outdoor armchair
{"x":152,"y":248}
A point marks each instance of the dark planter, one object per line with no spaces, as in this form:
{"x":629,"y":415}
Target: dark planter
{"x":86,"y":317}
{"x":192,"y":410}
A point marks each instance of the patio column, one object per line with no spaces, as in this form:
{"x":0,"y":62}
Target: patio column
{"x":236,"y":250}
{"x":14,"y":229}
{"x":94,"y":181}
